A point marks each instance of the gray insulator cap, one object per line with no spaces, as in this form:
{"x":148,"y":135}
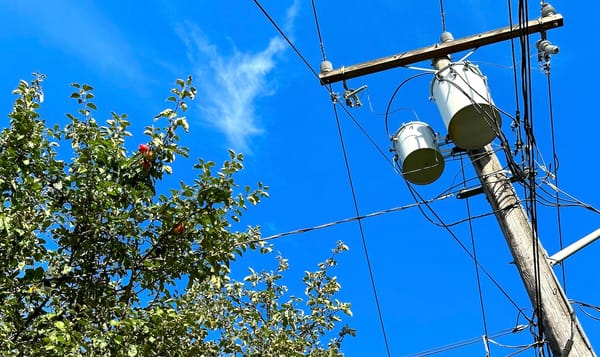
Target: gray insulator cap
{"x":326,"y":66}
{"x":547,"y":47}
{"x":446,"y":36}
{"x":548,"y":10}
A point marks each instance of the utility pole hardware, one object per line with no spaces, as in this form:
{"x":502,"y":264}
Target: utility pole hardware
{"x":329,"y":75}
{"x":561,"y":328}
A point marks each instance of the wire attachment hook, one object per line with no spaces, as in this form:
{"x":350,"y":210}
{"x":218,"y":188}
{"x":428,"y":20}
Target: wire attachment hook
{"x":351,"y":95}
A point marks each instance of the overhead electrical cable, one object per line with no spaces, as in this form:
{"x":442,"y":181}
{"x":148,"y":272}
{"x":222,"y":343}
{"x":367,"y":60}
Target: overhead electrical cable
{"x":314,"y":8}
{"x":526,"y":88}
{"x":391,"y":100}
{"x":583,"y":305}
{"x":516,"y":124}
{"x":418,"y":198}
{"x":474,"y":250}
{"x":366,"y":134}
{"x":569,"y":203}
{"x":443,"y":15}
{"x":555,"y":174}
{"x":333,"y":96}
{"x":346,"y":220}
{"x":468,"y":342}
{"x":290,"y":43}
{"x":360,"y":226}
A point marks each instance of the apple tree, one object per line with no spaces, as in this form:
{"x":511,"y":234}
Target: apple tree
{"x":98,"y":258}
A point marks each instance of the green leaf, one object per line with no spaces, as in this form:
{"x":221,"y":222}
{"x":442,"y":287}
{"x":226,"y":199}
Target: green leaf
{"x":95,"y":264}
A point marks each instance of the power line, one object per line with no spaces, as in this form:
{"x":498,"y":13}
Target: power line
{"x":479,"y":290}
{"x":526,"y":88}
{"x":417,"y":197}
{"x":573,"y":202}
{"x":391,"y":100}
{"x":443,"y":15}
{"x":362,"y":234}
{"x":516,"y":124}
{"x":345,"y":159}
{"x":290,"y":43}
{"x":581,"y":306}
{"x":555,"y":174}
{"x":345,"y":220}
{"x":468,"y":342}
{"x":366,"y":134}
{"x":319,"y":31}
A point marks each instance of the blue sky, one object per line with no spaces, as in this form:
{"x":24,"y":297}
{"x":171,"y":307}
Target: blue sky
{"x":256,"y":96}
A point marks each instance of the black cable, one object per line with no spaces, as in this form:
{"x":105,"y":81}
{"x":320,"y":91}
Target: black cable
{"x":443,"y":15}
{"x":588,"y":314}
{"x":314,"y":8}
{"x":390,"y":101}
{"x":331,"y":93}
{"x":481,"y":303}
{"x":555,"y":173}
{"x":581,"y":305}
{"x":290,"y":43}
{"x":526,"y":87}
{"x":464,"y":343}
{"x":517,"y":121}
{"x":570,"y":203}
{"x":364,"y":131}
{"x":345,"y":220}
{"x":362,"y":234}
{"x":418,"y":198}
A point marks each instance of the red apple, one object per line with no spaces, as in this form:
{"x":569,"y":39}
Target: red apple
{"x":143,"y":148}
{"x":179,"y":228}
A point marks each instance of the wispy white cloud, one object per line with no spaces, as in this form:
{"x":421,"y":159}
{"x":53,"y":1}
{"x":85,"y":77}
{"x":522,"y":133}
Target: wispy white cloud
{"x":231,"y":84}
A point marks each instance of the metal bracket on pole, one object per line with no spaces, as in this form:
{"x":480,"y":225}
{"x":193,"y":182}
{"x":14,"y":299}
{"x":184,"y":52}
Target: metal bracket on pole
{"x":574,"y":248}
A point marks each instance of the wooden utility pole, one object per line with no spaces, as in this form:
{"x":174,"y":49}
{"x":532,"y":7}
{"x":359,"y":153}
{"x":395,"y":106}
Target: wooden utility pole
{"x":561,"y":327}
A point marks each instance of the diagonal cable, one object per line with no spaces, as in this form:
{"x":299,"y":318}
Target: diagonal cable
{"x":360,"y":226}
{"x":468,"y":205}
{"x":290,"y":43}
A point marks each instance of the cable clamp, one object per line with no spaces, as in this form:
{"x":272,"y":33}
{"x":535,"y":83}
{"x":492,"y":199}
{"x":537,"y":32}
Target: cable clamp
{"x":351,"y":95}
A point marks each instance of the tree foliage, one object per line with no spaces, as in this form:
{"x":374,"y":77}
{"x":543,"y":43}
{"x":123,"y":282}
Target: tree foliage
{"x":94,"y":260}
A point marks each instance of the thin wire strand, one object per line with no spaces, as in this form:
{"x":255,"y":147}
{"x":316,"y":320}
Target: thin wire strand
{"x":443,"y":15}
{"x":290,"y":43}
{"x":314,"y":8}
{"x":391,"y":100}
{"x":468,"y":342}
{"x":481,"y":303}
{"x":331,"y":93}
{"x":555,"y":173}
{"x":345,"y":220}
{"x":418,"y":198}
{"x":517,"y":120}
{"x":526,"y":88}
{"x":362,"y":233}
{"x":366,"y":134}
{"x":581,"y":306}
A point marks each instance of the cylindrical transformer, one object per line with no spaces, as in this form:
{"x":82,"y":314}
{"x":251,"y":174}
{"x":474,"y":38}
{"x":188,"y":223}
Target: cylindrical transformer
{"x":417,"y":151}
{"x":462,"y":96}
